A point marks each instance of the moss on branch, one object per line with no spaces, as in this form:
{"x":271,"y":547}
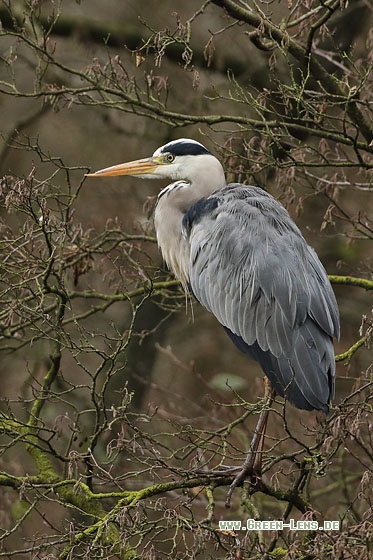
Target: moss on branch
{"x":346,"y":356}
{"x":352,"y":281}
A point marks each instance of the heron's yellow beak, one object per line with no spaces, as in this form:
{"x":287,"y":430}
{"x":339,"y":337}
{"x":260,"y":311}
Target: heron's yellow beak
{"x":139,"y":167}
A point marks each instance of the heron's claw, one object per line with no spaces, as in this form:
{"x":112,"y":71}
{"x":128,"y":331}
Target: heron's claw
{"x":224,"y":471}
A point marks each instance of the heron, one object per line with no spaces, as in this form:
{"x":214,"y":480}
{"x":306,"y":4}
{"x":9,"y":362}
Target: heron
{"x":238,"y":251}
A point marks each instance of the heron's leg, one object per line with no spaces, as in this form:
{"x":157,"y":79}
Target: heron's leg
{"x":253,"y":462}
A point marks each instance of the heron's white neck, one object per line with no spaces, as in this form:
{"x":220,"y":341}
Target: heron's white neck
{"x":204,"y":176}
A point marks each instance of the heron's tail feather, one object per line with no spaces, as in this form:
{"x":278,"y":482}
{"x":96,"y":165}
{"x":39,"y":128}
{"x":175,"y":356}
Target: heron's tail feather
{"x":305,"y":375}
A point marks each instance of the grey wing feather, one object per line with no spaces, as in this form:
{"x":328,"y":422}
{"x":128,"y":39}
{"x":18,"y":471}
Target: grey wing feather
{"x":251,"y":267}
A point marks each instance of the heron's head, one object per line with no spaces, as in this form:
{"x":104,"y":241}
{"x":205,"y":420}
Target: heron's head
{"x":182,"y":159}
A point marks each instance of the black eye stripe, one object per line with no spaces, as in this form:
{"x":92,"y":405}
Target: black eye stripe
{"x":184,"y":149}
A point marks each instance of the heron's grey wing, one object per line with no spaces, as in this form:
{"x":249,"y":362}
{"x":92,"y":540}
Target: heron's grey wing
{"x":251,"y":267}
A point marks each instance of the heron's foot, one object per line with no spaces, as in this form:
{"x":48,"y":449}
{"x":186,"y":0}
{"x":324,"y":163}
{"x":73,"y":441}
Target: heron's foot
{"x":252,"y":468}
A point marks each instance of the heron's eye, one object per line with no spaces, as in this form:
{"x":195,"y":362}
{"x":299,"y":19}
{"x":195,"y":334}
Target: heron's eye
{"x":170,"y":158}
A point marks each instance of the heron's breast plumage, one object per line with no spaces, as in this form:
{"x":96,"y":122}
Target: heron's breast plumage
{"x":168,"y":216}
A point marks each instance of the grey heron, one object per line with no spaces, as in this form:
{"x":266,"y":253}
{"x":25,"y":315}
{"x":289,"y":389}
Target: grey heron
{"x":236,"y":248}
